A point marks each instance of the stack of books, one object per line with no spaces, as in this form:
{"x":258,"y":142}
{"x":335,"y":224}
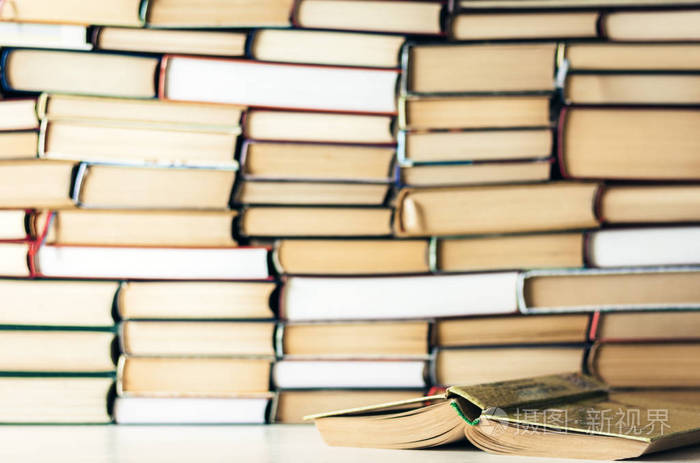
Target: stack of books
{"x":250,"y":211}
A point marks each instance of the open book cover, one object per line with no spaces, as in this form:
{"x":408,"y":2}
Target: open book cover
{"x":567,"y":415}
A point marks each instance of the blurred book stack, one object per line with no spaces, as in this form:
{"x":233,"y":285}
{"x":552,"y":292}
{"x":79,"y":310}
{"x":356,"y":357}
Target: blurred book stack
{"x":249,"y":211}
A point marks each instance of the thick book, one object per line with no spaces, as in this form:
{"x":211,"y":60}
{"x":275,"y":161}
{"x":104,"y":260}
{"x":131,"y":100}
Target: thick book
{"x":33,"y":350}
{"x":13,"y":224}
{"x":486,"y":364}
{"x":218,"y":13}
{"x":186,"y":42}
{"x":350,"y":374}
{"x":326,"y":47}
{"x":117,"y":186}
{"x":13,"y":258}
{"x":408,"y":17}
{"x":651,"y":325}
{"x":632,"y":73}
{"x":36,"y":183}
{"x":315,"y":221}
{"x":278,"y":85}
{"x":624,"y":143}
{"x":633,"y":89}
{"x":37,"y":35}
{"x":123,"y":142}
{"x":58,"y":303}
{"x":105,"y":74}
{"x":191,"y":410}
{"x":609,"y":289}
{"x":660,"y":364}
{"x":19,"y":136}
{"x":503,"y":252}
{"x":117,"y":12}
{"x":512,"y":330}
{"x":140,"y":113}
{"x":196,"y":338}
{"x":474,"y":112}
{"x":316,"y":126}
{"x":245,"y":263}
{"x":652,"y":25}
{"x":292,"y":405}
{"x":316,"y":162}
{"x":18,"y":114}
{"x":121,"y":227}
{"x":479,"y":68}
{"x":492,"y":417}
{"x":351,"y":257}
{"x":55,"y":399}
{"x":524,"y":25}
{"x":386,"y":339}
{"x":193,"y":377}
{"x":650,"y":203}
{"x":496,"y":209}
{"x":195,"y":300}
{"x":397,"y":297}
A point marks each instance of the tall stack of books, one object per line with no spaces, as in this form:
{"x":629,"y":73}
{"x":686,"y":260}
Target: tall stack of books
{"x":250,"y":211}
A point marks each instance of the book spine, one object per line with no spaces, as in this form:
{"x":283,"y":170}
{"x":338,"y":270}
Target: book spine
{"x":594,"y":326}
{"x":143,"y":13}
{"x":560,"y":142}
{"x":162,"y":74}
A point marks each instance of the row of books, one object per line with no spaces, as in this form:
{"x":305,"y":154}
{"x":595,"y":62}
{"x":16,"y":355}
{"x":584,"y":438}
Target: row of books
{"x":589,"y":72}
{"x":73,"y":258}
{"x":461,"y":20}
{"x":210,"y":351}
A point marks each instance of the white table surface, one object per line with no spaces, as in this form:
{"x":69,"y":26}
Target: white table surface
{"x":203,"y":444}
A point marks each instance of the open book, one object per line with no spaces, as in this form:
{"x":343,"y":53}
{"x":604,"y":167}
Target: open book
{"x":570,"y":415}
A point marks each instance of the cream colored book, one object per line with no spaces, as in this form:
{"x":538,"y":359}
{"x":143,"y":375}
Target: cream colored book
{"x":470,"y":25}
{"x":326,"y":47}
{"x":618,"y":289}
{"x":549,"y":416}
{"x":623,"y":143}
{"x":476,"y":174}
{"x":196,"y":338}
{"x":410,"y":17}
{"x":218,"y":13}
{"x":480,"y":68}
{"x":107,"y":186}
{"x":292,"y":193}
{"x":656,"y":203}
{"x":481,"y":253}
{"x":121,"y":227}
{"x":474,"y":112}
{"x":380,"y":339}
{"x":117,"y":12}
{"x":321,"y":127}
{"x":195,"y":300}
{"x":196,"y":42}
{"x":495,"y":209}
{"x":316,"y":221}
{"x":124,"y":76}
{"x":74,"y":351}
{"x":55,"y":399}
{"x":351,"y":257}
{"x":193,"y":377}
{"x":136,"y":112}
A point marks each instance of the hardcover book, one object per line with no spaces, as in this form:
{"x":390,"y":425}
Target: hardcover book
{"x":550,"y":416}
